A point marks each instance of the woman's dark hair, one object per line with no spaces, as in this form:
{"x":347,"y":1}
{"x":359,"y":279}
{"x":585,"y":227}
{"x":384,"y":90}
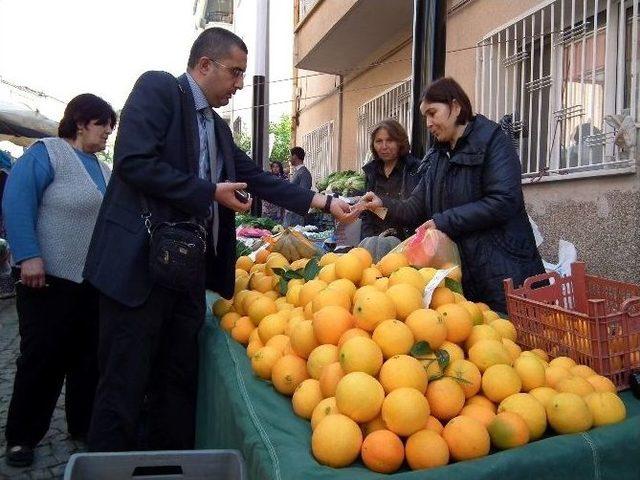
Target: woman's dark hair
{"x":280,"y":169}
{"x":446,"y":90}
{"x":83,"y":109}
{"x":395,"y":131}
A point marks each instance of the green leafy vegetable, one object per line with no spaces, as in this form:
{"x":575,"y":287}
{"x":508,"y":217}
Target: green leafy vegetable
{"x":257,"y":222}
{"x":347,"y":182}
{"x":241,"y":249}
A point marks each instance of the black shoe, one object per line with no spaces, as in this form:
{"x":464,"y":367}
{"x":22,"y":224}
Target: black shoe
{"x":19,"y":455}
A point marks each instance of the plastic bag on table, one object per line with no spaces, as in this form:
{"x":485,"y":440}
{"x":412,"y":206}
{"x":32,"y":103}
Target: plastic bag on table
{"x":430,"y":248}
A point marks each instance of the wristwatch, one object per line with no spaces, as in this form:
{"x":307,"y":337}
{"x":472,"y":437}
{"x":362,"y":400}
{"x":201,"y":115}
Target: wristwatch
{"x":327,"y":204}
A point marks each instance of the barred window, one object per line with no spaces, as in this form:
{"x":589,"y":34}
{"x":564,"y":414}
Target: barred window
{"x":305,"y":7}
{"x":552,"y":78}
{"x":318,"y":147}
{"x":394,"y":103}
{"x":219,"y":11}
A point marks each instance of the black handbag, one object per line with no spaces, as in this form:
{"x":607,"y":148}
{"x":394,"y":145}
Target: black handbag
{"x":176,"y":252}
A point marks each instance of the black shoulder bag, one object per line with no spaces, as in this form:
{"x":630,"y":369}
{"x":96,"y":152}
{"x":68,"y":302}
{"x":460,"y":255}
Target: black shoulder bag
{"x":176,"y":252}
{"x":176,"y":249}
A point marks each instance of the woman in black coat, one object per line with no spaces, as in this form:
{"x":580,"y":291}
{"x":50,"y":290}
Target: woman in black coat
{"x":391,"y":174}
{"x":471,"y":190}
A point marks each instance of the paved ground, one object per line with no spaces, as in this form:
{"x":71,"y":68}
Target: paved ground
{"x":54,"y":450}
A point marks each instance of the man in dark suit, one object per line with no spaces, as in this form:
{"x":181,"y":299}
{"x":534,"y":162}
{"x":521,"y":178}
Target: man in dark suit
{"x":173,"y":149}
{"x":302,"y":178}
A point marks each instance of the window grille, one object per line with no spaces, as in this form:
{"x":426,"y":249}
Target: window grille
{"x":552,"y":77}
{"x":219,"y":11}
{"x":318,"y":147}
{"x":304,"y":7}
{"x":396,"y":104}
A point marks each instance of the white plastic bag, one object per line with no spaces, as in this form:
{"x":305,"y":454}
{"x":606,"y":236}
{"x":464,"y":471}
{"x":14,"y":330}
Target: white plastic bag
{"x":431,"y":286}
{"x":567,"y":253}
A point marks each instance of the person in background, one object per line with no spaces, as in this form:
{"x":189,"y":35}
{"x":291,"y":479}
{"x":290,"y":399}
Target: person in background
{"x":50,"y":205}
{"x":7,"y":287}
{"x":176,"y":152}
{"x":302,"y":178}
{"x":471,"y":190}
{"x":391,"y":174}
{"x":270,"y":210}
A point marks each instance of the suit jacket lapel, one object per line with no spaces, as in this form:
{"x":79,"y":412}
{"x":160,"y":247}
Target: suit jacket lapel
{"x":222,"y":140}
{"x":191,"y":132}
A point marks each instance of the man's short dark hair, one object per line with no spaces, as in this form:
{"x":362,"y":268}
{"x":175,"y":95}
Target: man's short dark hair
{"x":215,"y":43}
{"x":298,"y":152}
{"x":83,"y":109}
{"x":446,"y":90}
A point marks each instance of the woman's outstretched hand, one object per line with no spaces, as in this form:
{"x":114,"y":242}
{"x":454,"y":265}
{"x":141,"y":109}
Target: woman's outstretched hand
{"x":369,"y":201}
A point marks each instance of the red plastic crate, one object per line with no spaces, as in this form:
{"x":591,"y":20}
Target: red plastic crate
{"x":593,"y":320}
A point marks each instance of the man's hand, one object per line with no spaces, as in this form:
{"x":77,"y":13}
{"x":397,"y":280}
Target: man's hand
{"x":32,"y":273}
{"x":225,"y":196}
{"x":353,"y":214}
{"x":341,"y":210}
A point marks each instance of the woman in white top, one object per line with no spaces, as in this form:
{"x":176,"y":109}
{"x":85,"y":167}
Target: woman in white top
{"x":50,"y":204}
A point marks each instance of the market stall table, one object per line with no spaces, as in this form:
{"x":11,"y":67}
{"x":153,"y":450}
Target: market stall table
{"x":237,"y":410}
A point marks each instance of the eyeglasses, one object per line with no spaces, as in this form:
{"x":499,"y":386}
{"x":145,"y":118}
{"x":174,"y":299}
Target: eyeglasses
{"x":235,"y":71}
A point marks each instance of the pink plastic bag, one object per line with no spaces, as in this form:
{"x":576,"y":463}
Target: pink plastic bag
{"x":430,"y":248}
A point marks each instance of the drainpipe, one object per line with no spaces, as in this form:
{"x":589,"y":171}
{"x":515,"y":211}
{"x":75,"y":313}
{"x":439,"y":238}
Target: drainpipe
{"x":295,"y":110}
{"x":294,"y":74}
{"x":339,"y":122}
{"x":260,"y":111}
{"x":429,"y":52}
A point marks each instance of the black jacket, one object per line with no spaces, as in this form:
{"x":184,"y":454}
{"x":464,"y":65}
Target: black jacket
{"x":151,"y":156}
{"x":475,"y":197}
{"x":373,"y":225}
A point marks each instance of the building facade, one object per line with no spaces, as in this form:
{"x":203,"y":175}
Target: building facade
{"x":560,"y":75}
{"x":237,"y":16}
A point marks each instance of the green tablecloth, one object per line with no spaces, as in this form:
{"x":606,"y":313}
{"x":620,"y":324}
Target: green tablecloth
{"x":236,"y":410}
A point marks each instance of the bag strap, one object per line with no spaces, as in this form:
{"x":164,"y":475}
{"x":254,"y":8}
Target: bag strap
{"x":144,"y":203}
{"x":145,"y":212}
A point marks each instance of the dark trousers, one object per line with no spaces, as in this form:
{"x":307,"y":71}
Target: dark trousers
{"x":148,"y":357}
{"x":58,"y":341}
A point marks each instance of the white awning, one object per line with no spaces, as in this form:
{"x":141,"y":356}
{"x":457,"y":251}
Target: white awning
{"x":20,"y":125}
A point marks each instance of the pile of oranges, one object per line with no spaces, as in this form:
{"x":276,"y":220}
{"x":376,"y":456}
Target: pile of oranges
{"x":383,"y":377}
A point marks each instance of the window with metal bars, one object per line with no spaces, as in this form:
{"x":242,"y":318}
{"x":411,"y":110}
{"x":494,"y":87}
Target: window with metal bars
{"x":304,"y":7}
{"x":219,"y":11}
{"x":318,"y":147}
{"x":394,"y":103}
{"x":552,"y":78}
